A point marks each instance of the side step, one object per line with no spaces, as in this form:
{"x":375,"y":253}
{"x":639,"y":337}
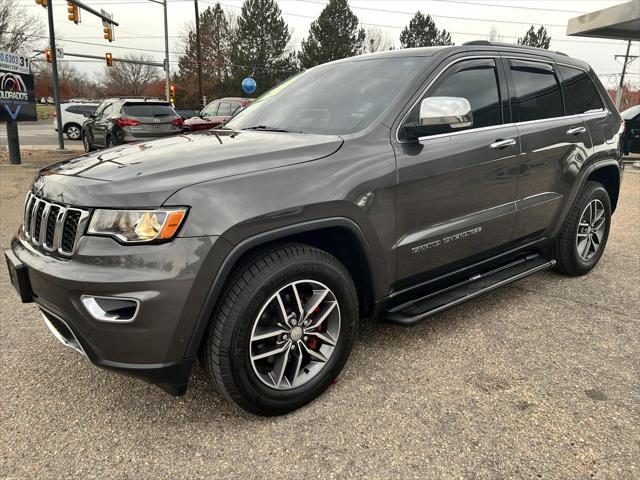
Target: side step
{"x":417,"y":310}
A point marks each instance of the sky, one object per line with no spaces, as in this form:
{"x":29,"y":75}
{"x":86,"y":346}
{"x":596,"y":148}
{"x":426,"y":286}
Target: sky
{"x":141,"y":26}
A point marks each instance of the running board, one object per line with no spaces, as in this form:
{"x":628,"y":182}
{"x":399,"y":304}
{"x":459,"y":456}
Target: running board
{"x":417,"y":310}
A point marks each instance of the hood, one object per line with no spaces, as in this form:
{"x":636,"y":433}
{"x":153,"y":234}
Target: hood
{"x":145,"y":174}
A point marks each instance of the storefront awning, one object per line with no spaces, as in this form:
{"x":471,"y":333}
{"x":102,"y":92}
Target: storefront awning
{"x":621,"y":22}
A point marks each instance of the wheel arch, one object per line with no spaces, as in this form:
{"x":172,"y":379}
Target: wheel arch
{"x":609,"y":177}
{"x":339,"y":236}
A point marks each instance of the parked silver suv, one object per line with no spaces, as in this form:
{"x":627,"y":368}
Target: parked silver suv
{"x":129,"y":119}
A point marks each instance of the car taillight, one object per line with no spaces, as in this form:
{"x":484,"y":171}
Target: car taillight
{"x":177,"y":121}
{"x":126,"y":122}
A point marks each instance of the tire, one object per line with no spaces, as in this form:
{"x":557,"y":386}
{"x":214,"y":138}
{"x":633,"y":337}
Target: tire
{"x":109,"y":142}
{"x":229,"y":352}
{"x":573,"y":256}
{"x":73,"y":131}
{"x":86,"y":143}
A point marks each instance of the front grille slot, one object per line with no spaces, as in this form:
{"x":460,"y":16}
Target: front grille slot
{"x":54,"y":227}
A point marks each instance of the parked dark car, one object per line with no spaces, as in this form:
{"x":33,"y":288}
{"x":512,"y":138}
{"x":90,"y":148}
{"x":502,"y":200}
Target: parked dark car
{"x":186,"y":114}
{"x":631,"y":137}
{"x":216,"y":113}
{"x":124,"y":120}
{"x":388,"y":186}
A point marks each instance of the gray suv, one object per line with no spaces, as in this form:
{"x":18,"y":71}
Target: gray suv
{"x":132,"y":119}
{"x":388,"y":186}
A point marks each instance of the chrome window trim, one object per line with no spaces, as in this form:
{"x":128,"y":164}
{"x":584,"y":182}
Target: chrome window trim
{"x":497,"y":55}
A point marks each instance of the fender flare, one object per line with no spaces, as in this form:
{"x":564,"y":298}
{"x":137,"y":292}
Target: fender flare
{"x":580,"y":183}
{"x":230,"y":261}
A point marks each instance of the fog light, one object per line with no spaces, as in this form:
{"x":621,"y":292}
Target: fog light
{"x":111,"y":309}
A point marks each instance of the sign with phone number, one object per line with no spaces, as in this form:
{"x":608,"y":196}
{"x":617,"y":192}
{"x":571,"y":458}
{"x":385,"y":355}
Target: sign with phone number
{"x":17,"y":92}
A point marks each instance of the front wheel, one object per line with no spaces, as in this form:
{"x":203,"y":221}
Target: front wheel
{"x":86,"y":143}
{"x":584,"y":235}
{"x":282,"y":330}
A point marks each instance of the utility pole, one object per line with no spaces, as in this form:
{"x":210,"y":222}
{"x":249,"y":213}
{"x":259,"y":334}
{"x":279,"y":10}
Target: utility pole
{"x":54,"y":74}
{"x":166,"y":52}
{"x":624,"y":70}
{"x":199,"y":53}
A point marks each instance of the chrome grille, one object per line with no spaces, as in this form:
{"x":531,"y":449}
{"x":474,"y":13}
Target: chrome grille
{"x":53,"y":227}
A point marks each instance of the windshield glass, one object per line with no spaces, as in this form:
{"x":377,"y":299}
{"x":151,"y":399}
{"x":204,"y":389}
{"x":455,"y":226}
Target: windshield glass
{"x":333,"y":99}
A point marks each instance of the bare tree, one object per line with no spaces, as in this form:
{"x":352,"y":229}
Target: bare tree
{"x":494,"y":35}
{"x":18,"y":29}
{"x":377,"y":40}
{"x":129,"y":78}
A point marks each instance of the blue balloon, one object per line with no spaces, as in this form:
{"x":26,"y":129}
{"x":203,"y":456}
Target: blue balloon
{"x":249,"y":85}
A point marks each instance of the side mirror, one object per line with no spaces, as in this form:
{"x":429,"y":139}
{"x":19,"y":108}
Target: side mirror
{"x":440,"y":115}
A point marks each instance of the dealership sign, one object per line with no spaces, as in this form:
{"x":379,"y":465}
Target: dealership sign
{"x":17,"y":95}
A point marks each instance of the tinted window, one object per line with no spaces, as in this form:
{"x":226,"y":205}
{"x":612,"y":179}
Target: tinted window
{"x":211,"y":110}
{"x":225,"y":109}
{"x":81,"y":109}
{"x":147,"y":110}
{"x":338,"y":98}
{"x":477,"y":81}
{"x":580,"y":94}
{"x":537,"y":92}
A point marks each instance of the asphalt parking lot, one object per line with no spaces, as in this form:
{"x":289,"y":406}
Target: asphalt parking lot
{"x":540,"y":379}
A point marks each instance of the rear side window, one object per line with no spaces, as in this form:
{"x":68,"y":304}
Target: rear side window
{"x":81,"y":109}
{"x":537,"y":91}
{"x":475,"y":80}
{"x":580,"y":94}
{"x":224,"y":110}
{"x":147,"y":110}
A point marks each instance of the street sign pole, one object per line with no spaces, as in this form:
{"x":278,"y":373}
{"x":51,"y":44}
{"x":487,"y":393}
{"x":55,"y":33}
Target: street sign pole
{"x":14,"y":143}
{"x":166,"y":52}
{"x":54,"y":74}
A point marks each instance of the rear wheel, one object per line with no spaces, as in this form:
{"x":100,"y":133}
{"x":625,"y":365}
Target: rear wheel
{"x":584,"y":234}
{"x":73,"y":131}
{"x":109,"y":142}
{"x":283,"y":329}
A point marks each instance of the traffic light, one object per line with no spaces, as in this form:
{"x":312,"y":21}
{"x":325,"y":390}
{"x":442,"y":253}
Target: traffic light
{"x":107,"y":28}
{"x":172,"y":93}
{"x":74,"y":12}
{"x":109,"y":57}
{"x":47,"y":54}
{"x":43,"y":3}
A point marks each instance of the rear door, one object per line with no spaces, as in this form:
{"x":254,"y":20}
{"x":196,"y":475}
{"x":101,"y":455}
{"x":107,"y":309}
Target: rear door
{"x":153,"y":120}
{"x":456,"y":191}
{"x":554,"y":145}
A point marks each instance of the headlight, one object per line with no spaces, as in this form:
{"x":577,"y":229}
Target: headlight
{"x":134,"y":226}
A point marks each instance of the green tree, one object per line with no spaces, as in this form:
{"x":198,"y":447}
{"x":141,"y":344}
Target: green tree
{"x":261,"y":46}
{"x":216,"y":36}
{"x":535,"y":38}
{"x":334,"y":35}
{"x":422,"y":32}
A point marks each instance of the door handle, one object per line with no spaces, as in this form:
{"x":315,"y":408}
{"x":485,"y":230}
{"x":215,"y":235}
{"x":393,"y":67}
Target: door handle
{"x":576,"y":130}
{"x":499,"y":144}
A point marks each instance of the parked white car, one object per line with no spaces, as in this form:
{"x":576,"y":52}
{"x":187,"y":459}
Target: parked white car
{"x":73,"y":117}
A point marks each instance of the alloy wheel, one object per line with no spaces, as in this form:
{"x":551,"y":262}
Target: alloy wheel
{"x":590,"y":230}
{"x":73,"y":132}
{"x":294,"y":334}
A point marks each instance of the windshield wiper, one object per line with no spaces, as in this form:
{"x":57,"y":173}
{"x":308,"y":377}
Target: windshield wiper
{"x":266,"y":128}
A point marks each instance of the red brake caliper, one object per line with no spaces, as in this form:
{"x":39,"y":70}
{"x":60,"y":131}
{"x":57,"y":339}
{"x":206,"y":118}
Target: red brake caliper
{"x":313,"y":341}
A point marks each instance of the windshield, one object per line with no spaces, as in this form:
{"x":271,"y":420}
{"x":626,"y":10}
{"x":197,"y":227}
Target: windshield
{"x":333,"y":99}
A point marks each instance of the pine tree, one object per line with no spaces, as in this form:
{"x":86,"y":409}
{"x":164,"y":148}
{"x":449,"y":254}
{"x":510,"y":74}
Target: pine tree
{"x":215,"y":39}
{"x":538,"y":39}
{"x":260,"y":47}
{"x":334,"y":35}
{"x":422,"y":32}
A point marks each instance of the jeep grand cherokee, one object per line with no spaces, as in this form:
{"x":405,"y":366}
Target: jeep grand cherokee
{"x":391,"y":186}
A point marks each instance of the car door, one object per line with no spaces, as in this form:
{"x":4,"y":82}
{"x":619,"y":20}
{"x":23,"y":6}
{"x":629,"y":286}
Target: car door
{"x":554,"y":145}
{"x":208,"y":115}
{"x":101,"y":125}
{"x":224,"y":113}
{"x":456,"y":191}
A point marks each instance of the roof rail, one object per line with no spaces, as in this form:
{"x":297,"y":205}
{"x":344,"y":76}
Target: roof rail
{"x":139,"y":97}
{"x":512,"y":45}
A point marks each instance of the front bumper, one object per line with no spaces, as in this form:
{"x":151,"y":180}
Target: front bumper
{"x":170,"y":281}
